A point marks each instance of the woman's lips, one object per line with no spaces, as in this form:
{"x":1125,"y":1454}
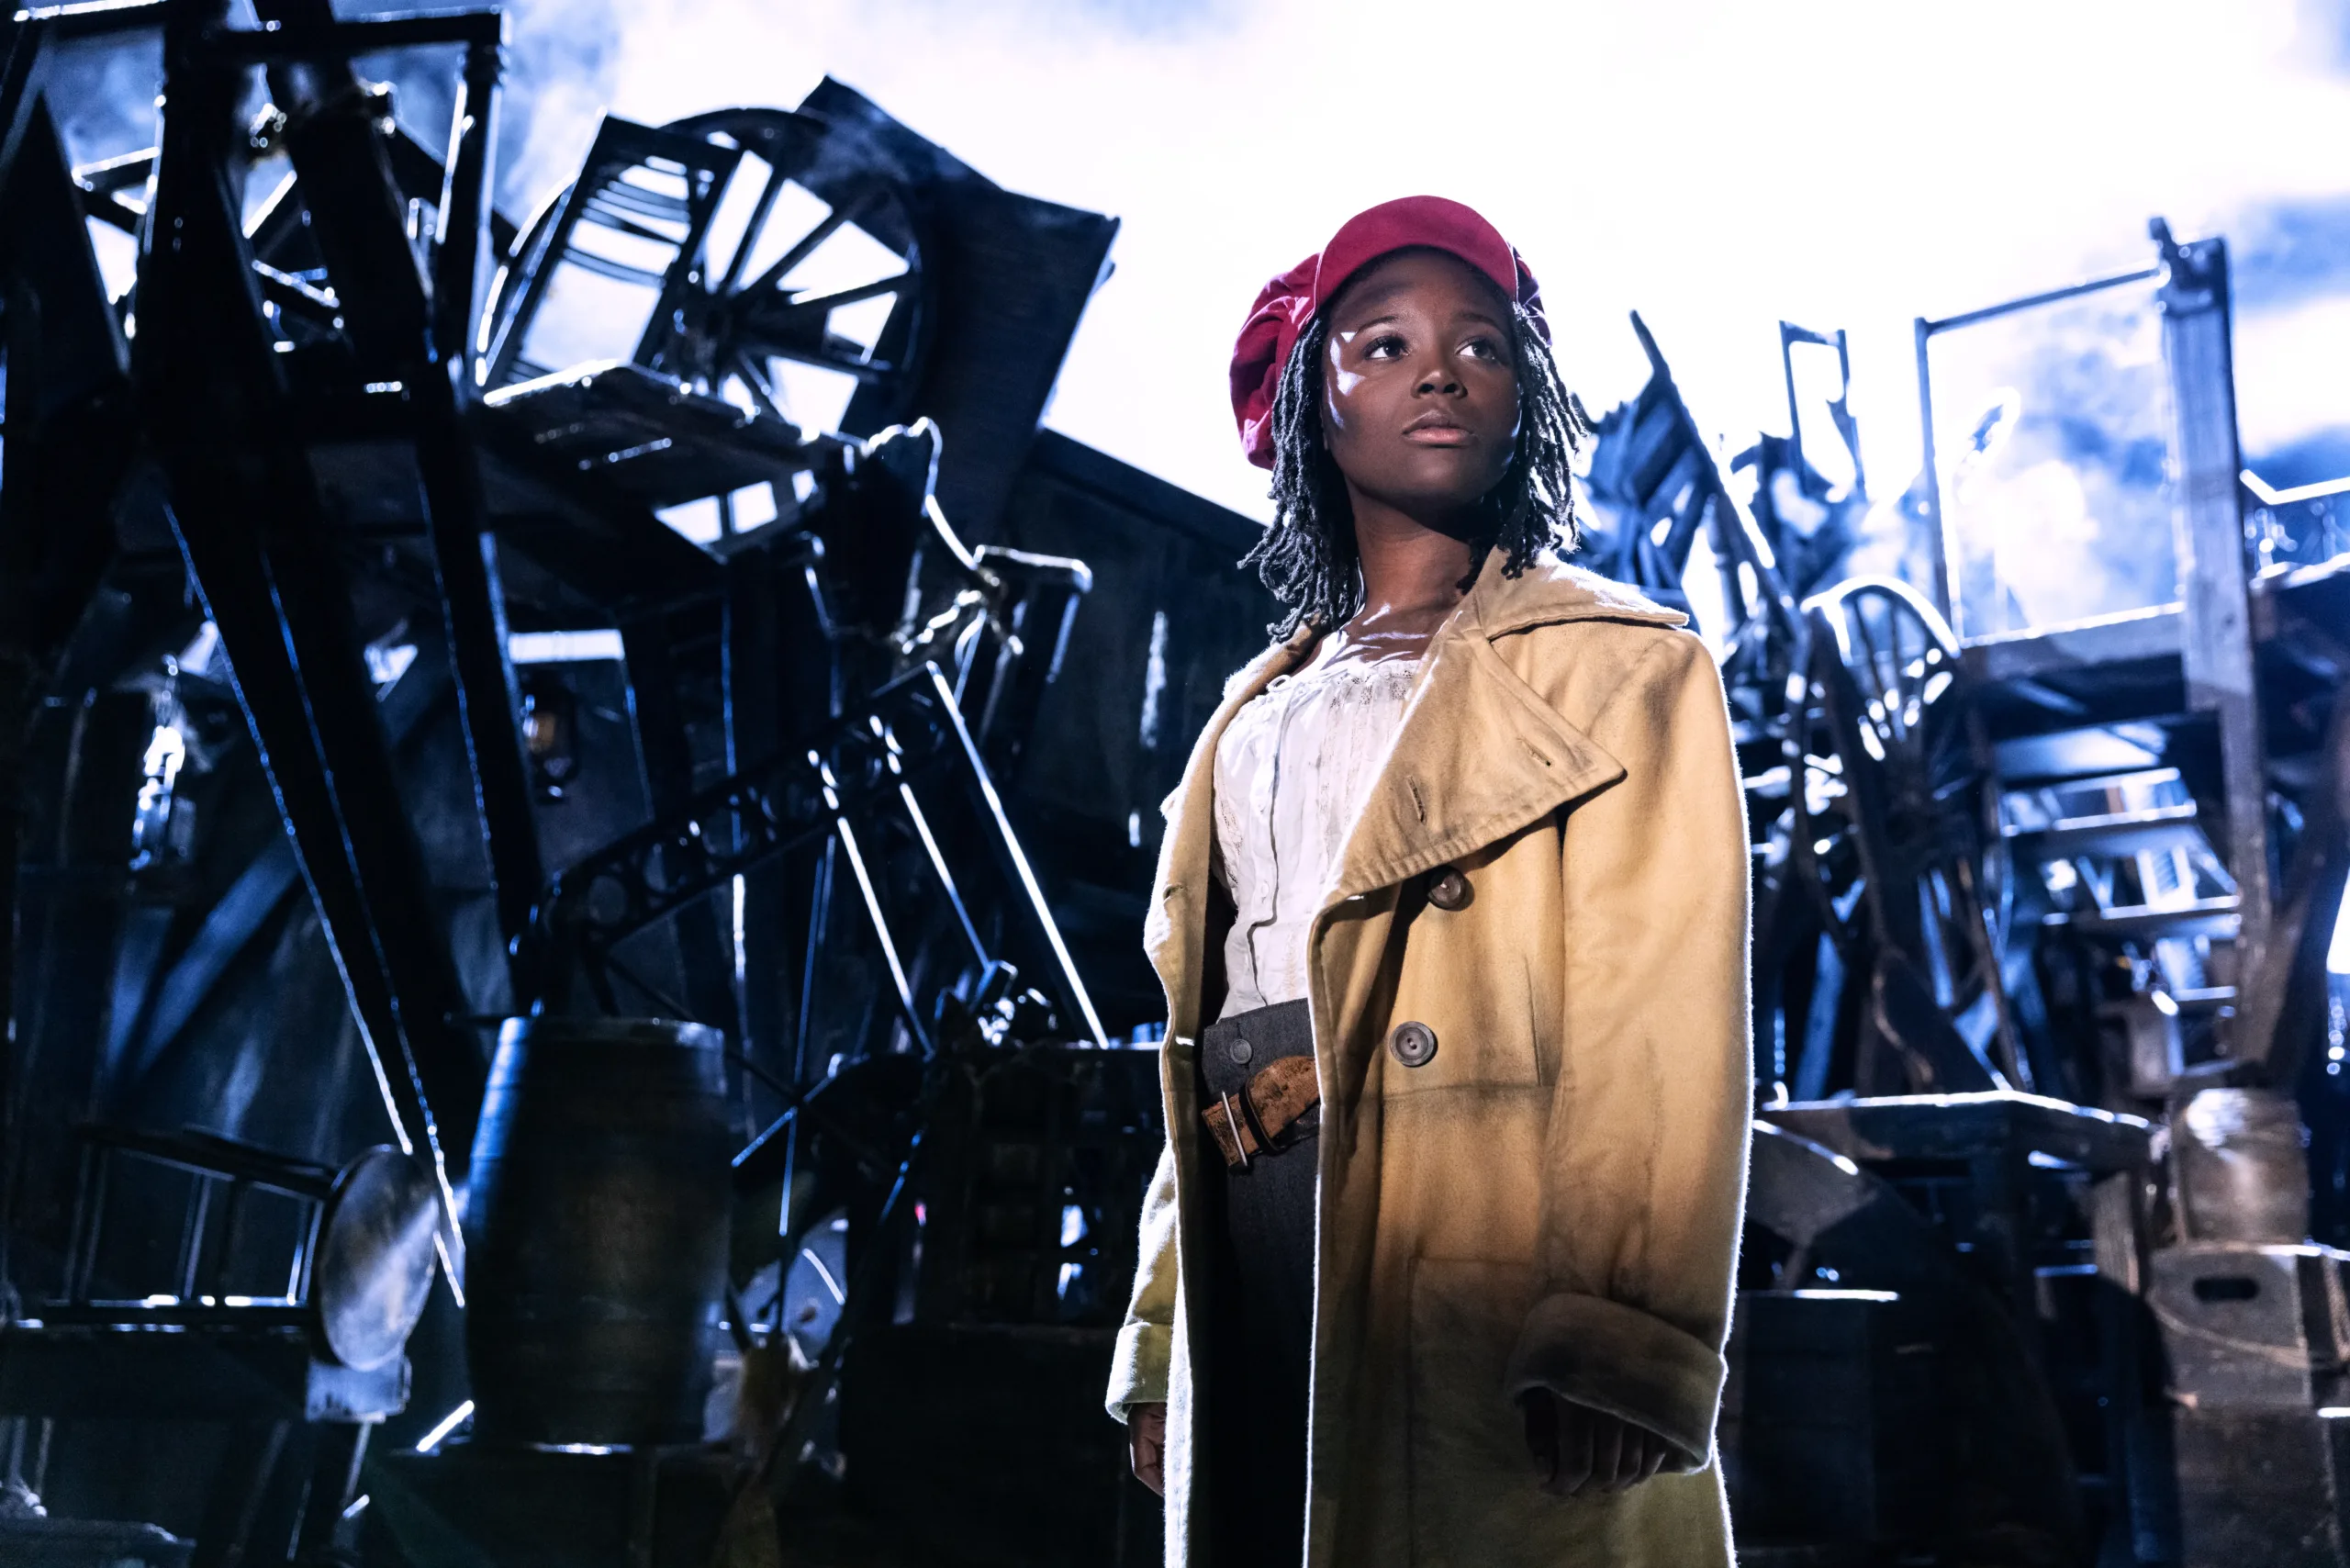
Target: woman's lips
{"x":1438,"y":435}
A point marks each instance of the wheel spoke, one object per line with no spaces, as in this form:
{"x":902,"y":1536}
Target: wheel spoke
{"x":797,"y":329}
{"x":896,"y":283}
{"x":874,"y":371}
{"x":759,"y":211}
{"x":806,"y":245}
{"x":749,"y":373}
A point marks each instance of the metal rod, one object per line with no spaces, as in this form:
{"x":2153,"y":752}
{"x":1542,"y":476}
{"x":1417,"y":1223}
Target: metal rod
{"x":798,"y":1428}
{"x":1007,"y":844}
{"x":2216,"y":648}
{"x":463,"y":253}
{"x":2053,"y":296}
{"x":94,"y":19}
{"x":1929,"y":479}
{"x":881,"y":931}
{"x":945,"y":877}
{"x":805,"y":246}
{"x":191,"y":1226}
{"x":757,"y":220}
{"x":658,"y":997}
{"x":292,"y":42}
{"x":1795,"y":413}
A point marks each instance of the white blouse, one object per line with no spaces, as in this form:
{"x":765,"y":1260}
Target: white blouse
{"x":1292,"y":772}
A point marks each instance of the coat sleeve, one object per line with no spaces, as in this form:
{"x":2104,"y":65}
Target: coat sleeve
{"x":1147,"y":1342}
{"x":1644,"y":1164}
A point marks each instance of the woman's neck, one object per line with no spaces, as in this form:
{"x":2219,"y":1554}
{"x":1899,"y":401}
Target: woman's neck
{"x":1412,"y":580}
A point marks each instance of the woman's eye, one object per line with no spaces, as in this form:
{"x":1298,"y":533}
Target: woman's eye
{"x":1482,"y":348}
{"x":1387,"y":345}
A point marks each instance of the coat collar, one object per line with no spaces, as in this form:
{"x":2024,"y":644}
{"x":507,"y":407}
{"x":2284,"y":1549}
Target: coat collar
{"x":1551,"y":589}
{"x":1479,"y":756}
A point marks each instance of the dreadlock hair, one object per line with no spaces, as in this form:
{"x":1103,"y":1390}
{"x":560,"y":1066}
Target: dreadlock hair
{"x":1308,"y":557}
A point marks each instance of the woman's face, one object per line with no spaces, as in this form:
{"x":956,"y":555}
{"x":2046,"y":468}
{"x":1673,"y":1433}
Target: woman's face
{"x":1419,"y":405}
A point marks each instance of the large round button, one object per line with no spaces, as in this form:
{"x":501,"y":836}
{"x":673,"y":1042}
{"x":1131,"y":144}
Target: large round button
{"x":1413,"y":1044}
{"x":1240,"y":1051}
{"x":1449,"y":890}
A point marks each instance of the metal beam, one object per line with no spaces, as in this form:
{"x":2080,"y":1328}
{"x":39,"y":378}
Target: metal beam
{"x":403,"y":333}
{"x":288,"y":38}
{"x":2283,"y":1007}
{"x":665,"y":750}
{"x":755,"y":735}
{"x":71,"y":441}
{"x":250,"y":523}
{"x":21,"y":71}
{"x":2208,"y":527}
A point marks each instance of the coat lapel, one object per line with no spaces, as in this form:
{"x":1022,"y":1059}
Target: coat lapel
{"x":1480,"y":755}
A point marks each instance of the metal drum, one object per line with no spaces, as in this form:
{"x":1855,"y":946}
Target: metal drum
{"x":595,"y":1232}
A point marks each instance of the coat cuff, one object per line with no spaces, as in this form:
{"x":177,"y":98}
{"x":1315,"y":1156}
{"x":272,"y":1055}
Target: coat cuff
{"x":1138,"y":1367}
{"x":1618,"y":1359}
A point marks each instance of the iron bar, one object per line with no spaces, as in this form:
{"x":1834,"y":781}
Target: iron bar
{"x":298,"y":41}
{"x":2052,"y":297}
{"x":249,"y":520}
{"x":415,"y":331}
{"x":664,"y":751}
{"x":2281,"y":1014}
{"x":2207,"y":515}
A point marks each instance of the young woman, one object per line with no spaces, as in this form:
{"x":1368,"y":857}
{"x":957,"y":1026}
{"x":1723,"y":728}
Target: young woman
{"x":1451,"y":915}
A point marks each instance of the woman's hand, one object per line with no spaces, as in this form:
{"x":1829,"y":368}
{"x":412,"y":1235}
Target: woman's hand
{"x":1575,"y":1447}
{"x":1147,"y":1445}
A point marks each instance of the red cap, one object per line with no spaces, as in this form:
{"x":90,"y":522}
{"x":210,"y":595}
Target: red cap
{"x":1288,"y":304}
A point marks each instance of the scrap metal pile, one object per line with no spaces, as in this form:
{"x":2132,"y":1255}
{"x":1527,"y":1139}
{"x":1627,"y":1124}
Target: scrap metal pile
{"x":432,"y":648}
{"x":2041,"y":912}
{"x":290,"y":525}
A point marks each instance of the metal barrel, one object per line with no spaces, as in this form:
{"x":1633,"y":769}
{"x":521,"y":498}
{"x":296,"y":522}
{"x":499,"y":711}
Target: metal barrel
{"x":595,"y":1232}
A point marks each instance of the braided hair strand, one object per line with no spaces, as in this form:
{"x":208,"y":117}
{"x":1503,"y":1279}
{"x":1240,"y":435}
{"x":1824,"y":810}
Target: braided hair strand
{"x":1307,"y":558}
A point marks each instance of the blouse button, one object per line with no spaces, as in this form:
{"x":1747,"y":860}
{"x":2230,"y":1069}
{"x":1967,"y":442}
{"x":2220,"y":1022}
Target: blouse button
{"x":1413,"y":1044}
{"x":1449,"y":890}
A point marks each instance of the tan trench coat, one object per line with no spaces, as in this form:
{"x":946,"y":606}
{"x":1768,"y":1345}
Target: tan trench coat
{"x":1553,"y":1200}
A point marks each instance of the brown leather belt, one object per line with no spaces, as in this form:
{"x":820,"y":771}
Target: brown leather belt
{"x":1246,"y":1124}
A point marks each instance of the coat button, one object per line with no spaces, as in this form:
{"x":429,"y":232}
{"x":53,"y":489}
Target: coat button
{"x":1413,"y":1043}
{"x":1241,"y":1050}
{"x":1449,"y":890}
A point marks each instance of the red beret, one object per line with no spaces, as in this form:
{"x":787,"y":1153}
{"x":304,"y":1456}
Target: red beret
{"x":1288,"y":304}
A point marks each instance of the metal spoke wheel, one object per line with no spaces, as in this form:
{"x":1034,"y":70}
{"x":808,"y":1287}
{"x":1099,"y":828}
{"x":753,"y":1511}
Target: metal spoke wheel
{"x":815,"y":259}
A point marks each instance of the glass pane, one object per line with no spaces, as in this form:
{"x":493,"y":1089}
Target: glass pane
{"x":2051,"y":436}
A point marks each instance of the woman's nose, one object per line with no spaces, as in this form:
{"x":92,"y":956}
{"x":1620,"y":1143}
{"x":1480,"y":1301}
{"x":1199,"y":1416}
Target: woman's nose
{"x":1438,"y":381}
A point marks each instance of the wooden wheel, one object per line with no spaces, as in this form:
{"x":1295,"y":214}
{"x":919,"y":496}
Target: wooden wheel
{"x":1887,"y":836}
{"x":753,"y":313}
{"x":802,"y":287}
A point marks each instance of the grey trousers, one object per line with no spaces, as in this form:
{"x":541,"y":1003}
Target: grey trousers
{"x":1260,"y":1317}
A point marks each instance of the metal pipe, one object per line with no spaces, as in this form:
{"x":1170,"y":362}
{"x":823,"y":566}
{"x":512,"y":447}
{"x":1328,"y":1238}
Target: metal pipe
{"x":2053,"y":297}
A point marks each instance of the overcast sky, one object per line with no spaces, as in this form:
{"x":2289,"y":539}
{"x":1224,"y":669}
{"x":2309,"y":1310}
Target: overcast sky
{"x":1716,"y":164}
